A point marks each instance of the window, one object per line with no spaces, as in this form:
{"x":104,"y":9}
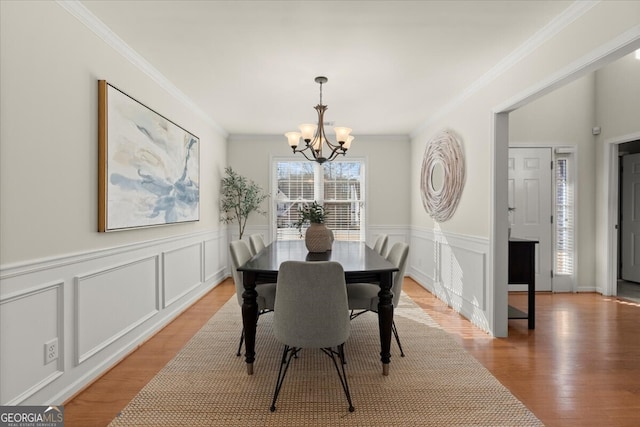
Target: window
{"x":564,"y":223}
{"x":338,"y":185}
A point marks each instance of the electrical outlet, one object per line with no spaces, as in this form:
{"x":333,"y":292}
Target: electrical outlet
{"x":50,"y":351}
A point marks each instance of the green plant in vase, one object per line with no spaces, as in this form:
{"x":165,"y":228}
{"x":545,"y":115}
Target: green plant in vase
{"x":318,"y":238}
{"x":313,"y":213}
{"x":239,"y":197}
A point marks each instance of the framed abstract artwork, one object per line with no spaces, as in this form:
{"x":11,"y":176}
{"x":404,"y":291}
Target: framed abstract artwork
{"x":148,"y":166}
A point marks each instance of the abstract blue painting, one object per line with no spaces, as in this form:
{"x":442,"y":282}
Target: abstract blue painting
{"x":149,"y":166}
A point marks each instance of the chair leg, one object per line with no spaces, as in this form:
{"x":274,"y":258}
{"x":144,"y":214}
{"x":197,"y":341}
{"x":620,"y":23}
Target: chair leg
{"x":341,"y":372}
{"x":282,"y":372}
{"x":353,"y":314}
{"x":241,"y":341}
{"x":395,"y":333}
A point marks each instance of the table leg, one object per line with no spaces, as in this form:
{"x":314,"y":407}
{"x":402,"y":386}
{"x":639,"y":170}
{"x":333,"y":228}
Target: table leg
{"x":385,"y":319}
{"x":249,"y":318}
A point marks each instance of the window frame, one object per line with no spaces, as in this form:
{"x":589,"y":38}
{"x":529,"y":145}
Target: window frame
{"x":565,"y":280}
{"x":318,"y":190}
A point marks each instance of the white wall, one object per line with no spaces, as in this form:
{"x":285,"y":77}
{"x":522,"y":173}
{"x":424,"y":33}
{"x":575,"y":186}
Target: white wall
{"x":99,"y":294}
{"x":482,"y":212}
{"x":618,"y":115}
{"x":386,"y":159}
{"x":618,"y":96}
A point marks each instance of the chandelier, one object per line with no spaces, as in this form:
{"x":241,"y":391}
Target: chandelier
{"x":315,"y":138}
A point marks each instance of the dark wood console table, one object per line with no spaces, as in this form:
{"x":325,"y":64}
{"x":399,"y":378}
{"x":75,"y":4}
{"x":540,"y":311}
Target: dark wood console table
{"x":522,"y":271}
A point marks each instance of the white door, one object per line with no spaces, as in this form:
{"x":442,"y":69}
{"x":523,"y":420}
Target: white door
{"x":630,"y":224}
{"x":530,"y":178}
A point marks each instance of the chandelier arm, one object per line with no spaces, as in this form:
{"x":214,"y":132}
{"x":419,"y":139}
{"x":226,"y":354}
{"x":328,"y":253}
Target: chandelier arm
{"x":333,"y":147}
{"x":332,"y":155}
{"x":305,"y":154}
{"x":320,"y":132}
{"x":335,"y":152}
{"x":308,"y":145}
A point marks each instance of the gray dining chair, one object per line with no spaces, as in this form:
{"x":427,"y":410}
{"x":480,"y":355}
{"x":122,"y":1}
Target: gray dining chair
{"x":311,"y":311}
{"x":257,"y":243}
{"x":240,"y":254}
{"x":364,"y":296}
{"x":380,"y":244}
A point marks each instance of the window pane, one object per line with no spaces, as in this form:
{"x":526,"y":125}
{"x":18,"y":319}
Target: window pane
{"x":295,"y":183}
{"x":344,"y":219}
{"x":564,"y":219}
{"x":342,"y":199}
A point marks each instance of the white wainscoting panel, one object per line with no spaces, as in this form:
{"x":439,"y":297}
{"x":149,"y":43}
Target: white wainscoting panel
{"x":422,"y":259}
{"x":182,"y":272}
{"x":215,"y":258}
{"x":111,"y":302}
{"x":100,"y":305}
{"x":463,"y":272}
{"x":454,"y":268}
{"x":39,"y":312}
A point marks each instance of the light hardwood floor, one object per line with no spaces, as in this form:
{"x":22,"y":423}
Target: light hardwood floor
{"x":579,"y":367}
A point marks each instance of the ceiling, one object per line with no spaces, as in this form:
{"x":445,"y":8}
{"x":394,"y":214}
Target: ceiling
{"x":250,"y":65}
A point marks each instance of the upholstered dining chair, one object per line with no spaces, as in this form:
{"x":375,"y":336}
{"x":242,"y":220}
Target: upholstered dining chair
{"x":364,"y":296}
{"x":257,"y":243}
{"x":311,"y":311}
{"x":380,"y":244}
{"x":240,"y":254}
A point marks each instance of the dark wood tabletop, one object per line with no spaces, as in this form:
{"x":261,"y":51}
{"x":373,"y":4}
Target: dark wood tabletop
{"x":356,"y":258}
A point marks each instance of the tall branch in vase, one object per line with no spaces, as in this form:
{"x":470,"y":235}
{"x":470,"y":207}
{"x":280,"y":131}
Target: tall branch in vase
{"x":239,"y":198}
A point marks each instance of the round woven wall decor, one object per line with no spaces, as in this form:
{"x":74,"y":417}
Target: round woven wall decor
{"x":442,"y":175}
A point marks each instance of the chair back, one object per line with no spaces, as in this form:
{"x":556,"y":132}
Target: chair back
{"x":257,"y":243}
{"x":240,"y":253}
{"x":398,"y":255}
{"x":311,"y":309}
{"x":380,"y":245}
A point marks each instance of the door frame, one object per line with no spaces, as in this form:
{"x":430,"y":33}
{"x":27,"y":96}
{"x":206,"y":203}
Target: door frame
{"x":612,"y":186}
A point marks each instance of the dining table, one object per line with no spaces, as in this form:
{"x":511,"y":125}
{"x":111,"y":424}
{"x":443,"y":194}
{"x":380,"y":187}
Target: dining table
{"x":361,"y":264}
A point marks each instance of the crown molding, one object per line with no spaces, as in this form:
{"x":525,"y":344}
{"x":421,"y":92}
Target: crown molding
{"x":620,"y":46}
{"x":573,"y":12}
{"x":79,"y":11}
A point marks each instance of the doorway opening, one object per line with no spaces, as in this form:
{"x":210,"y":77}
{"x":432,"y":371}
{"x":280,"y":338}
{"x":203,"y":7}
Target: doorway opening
{"x":628,"y":267}
{"x":607,"y":53}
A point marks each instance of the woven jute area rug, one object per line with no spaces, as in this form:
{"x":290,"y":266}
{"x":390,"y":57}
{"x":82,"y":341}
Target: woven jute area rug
{"x":437,"y":384}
